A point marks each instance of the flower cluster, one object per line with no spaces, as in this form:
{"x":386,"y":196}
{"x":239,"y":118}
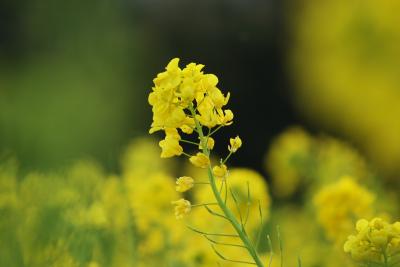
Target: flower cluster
{"x":184,"y":101}
{"x":187,"y":101}
{"x":339,"y":203}
{"x":176,"y":93}
{"x":299,"y":162}
{"x":376,"y":241}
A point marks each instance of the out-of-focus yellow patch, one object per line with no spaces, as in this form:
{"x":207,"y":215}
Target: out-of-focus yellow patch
{"x":346,"y":69}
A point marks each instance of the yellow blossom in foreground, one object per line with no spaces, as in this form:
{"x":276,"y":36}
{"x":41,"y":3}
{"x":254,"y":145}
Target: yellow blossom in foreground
{"x":184,"y":183}
{"x":210,"y":143}
{"x":375,"y":241}
{"x":200,"y":160}
{"x":170,"y":145}
{"x":176,"y":93}
{"x":236,"y":143}
{"x":339,"y":203}
{"x":220,"y":171}
{"x":227,"y":117}
{"x":182,"y":207}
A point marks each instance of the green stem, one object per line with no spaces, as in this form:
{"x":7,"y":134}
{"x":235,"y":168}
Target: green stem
{"x":204,"y":204}
{"x":227,"y":157}
{"x":215,"y":130}
{"x":385,"y":258}
{"x":228,"y":213}
{"x":189,"y":142}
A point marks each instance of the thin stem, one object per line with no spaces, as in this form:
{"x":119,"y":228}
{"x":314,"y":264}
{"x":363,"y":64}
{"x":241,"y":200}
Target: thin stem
{"x":214,"y":234}
{"x":261,"y":225}
{"x":186,"y":154}
{"x":227,"y":157}
{"x":215,"y":130}
{"x":195,"y":109}
{"x":280,"y":244}
{"x":271,"y":250}
{"x":247,"y":204}
{"x":204,"y":204}
{"x":385,"y":258}
{"x":222,"y":243}
{"x":228,"y":213}
{"x":220,"y":188}
{"x":226,"y":259}
{"x":215,"y":213}
{"x":226,"y":191}
{"x":189,"y":142}
{"x":237,"y":208}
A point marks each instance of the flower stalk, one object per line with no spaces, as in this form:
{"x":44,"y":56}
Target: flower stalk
{"x":228,"y":213}
{"x":185,"y":101}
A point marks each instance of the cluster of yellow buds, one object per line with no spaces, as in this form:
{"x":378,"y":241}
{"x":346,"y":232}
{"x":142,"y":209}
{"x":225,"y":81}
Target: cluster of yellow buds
{"x":175,"y":92}
{"x":376,"y":242}
{"x":337,"y":205}
{"x":184,"y":101}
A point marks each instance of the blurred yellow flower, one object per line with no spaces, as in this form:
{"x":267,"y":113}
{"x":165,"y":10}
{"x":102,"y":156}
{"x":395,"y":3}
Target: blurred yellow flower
{"x":142,"y":157}
{"x":344,"y":64}
{"x":376,"y":241}
{"x":287,"y":161}
{"x":182,"y":207}
{"x":184,"y":183}
{"x":338,"y":204}
{"x":143,"y":192}
{"x":336,"y":158}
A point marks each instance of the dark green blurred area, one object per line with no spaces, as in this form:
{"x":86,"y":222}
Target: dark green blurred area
{"x":75,"y":75}
{"x":70,"y":81}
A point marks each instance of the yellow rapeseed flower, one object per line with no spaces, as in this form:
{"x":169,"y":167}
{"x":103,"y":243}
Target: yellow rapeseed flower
{"x":236,"y":143}
{"x":210,"y":143}
{"x":175,"y":92}
{"x":375,"y":241}
{"x":187,"y":100}
{"x":220,"y":171}
{"x":184,"y":183}
{"x":182,"y":207}
{"x":287,"y":160}
{"x":339,"y":203}
{"x":170,"y":147}
{"x":200,"y":160}
{"x":226,"y":117}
